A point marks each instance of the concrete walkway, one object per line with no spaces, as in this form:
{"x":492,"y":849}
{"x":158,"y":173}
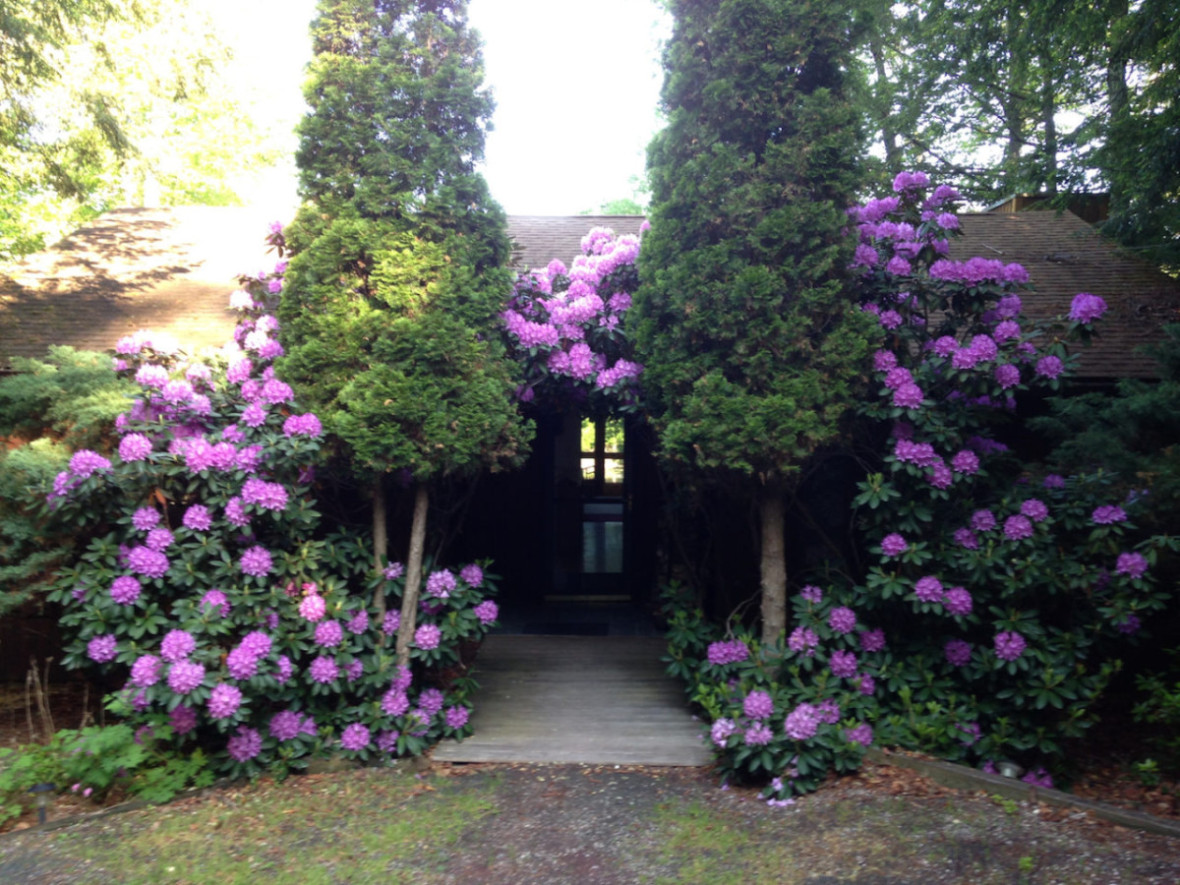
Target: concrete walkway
{"x":581,"y":699}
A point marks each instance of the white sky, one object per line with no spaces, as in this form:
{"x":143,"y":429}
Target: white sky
{"x":576,"y":86}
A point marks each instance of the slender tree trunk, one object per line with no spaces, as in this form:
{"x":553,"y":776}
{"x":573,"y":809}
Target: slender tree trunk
{"x":1049,"y":120}
{"x":884,"y":89}
{"x":1117,"y":97}
{"x":409,"y":614}
{"x":774,"y":565}
{"x":380,"y":541}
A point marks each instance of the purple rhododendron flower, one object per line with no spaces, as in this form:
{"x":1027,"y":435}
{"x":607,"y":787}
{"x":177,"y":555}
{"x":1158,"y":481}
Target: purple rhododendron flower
{"x":842,"y":620}
{"x":829,"y":711}
{"x":427,"y":637}
{"x":729,"y":652}
{"x":1009,"y":645}
{"x":218,"y":600}
{"x":843,"y":664}
{"x":159,"y":539}
{"x":183,"y":719}
{"x":395,"y":702}
{"x":1130,"y":624}
{"x":392,"y":622}
{"x":957,"y":601}
{"x":103,"y":648}
{"x":303,"y":425}
{"x":894,"y":545}
{"x":312,"y":607}
{"x":722,"y":730}
{"x":146,"y":561}
{"x":177,"y":645}
{"x":125,"y":589}
{"x":1133,"y":565}
{"x":134,"y":447}
{"x":1085,"y":308}
{"x":197,"y":518}
{"x":1007,"y":375}
{"x":884,"y":360}
{"x":358,"y":623}
{"x":440,"y":584}
{"x":1050,"y":366}
{"x":431,"y":701}
{"x":965,"y":461}
{"x":284,"y":725}
{"x":256,"y":561}
{"x":355,"y":737}
{"x":184,"y":676}
{"x":245,"y":745}
{"x":1017,"y":527}
{"x":802,"y":723}
{"x":1039,"y":778}
{"x":241,"y":663}
{"x":812,"y":594}
{"x":85,"y":462}
{"x":966,"y":539}
{"x":286,"y":670}
{"x":983,"y":521}
{"x":897,"y":377}
{"x":323,"y":669}
{"x":861,"y":734}
{"x":145,"y":518}
{"x":394,"y":570}
{"x":224,"y":700}
{"x":145,"y":672}
{"x":1108,"y":515}
{"x":928,"y":589}
{"x":758,"y":734}
{"x":941,"y":476}
{"x":267,"y":495}
{"x":872,"y":640}
{"x":758,"y":705}
{"x":472,"y":575}
{"x":456,"y":717}
{"x":235,"y":512}
{"x":487,"y":612}
{"x":804,"y":640}
{"x":329,"y":634}
{"x":957,"y":652}
{"x":1053,"y":481}
{"x":1034,"y":509}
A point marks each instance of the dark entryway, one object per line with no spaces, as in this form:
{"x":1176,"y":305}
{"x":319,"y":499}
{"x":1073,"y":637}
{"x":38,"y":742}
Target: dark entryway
{"x":573,"y":532}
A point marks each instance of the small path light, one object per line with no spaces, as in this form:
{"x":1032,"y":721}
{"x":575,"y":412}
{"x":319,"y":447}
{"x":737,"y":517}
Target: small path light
{"x":1009,"y":769}
{"x":43,"y":793}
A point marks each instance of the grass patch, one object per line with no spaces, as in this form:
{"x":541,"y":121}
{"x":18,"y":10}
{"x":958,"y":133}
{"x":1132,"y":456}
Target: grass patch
{"x":374,"y":825}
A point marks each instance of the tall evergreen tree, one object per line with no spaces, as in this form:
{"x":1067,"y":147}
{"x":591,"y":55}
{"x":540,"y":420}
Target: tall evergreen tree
{"x":397,"y":272}
{"x":754,"y":350}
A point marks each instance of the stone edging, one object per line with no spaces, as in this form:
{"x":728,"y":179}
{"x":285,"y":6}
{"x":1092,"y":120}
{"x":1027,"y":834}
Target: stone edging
{"x":960,"y":777}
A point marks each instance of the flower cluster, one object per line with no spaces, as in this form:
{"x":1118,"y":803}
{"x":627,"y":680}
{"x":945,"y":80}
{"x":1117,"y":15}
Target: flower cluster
{"x":565,"y":324}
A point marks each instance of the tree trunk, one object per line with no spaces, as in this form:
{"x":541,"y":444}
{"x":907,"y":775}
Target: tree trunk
{"x":773,"y":566}
{"x":409,"y":614}
{"x":1117,"y":97}
{"x":1049,"y":120}
{"x":380,"y":541}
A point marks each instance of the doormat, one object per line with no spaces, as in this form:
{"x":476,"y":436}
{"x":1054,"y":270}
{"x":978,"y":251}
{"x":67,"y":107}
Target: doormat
{"x":556,"y":628}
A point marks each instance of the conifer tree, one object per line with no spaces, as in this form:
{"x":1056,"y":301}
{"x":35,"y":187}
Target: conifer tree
{"x":753,"y":347}
{"x":397,"y":274}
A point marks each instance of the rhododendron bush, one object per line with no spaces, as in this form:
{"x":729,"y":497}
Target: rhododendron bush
{"x":209,"y":589}
{"x":565,"y":324}
{"x":1001,"y":596}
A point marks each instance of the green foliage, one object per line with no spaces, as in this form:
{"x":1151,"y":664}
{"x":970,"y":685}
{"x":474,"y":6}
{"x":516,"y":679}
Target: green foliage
{"x":753,"y":351}
{"x":50,"y":407}
{"x":97,"y":760}
{"x":1133,"y":434}
{"x":1159,"y":709}
{"x":396,"y":277}
{"x":788,"y":766}
{"x":116,"y":102}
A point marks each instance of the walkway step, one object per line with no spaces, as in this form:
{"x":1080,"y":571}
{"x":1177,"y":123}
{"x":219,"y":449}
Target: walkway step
{"x":577,"y":699}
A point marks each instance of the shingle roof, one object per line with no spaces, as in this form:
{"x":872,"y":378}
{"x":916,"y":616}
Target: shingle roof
{"x":169,"y":270}
{"x":172,"y":270}
{"x":538,"y":239}
{"x":1065,"y":256}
